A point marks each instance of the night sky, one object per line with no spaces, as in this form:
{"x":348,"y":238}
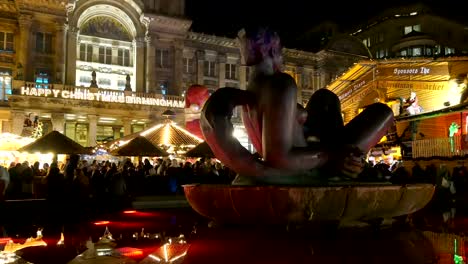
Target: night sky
{"x":294,"y":17}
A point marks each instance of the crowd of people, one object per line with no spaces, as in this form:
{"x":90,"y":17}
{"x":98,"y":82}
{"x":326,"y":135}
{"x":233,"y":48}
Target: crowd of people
{"x":108,"y":180}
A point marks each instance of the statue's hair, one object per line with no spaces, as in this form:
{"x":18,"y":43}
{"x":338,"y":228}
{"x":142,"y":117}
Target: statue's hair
{"x":263,"y":40}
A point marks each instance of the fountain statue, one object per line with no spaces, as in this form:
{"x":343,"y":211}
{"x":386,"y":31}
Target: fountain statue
{"x":301,"y":148}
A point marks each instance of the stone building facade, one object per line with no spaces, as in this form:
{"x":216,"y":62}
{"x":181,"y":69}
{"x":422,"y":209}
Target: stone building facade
{"x":100,"y":69}
{"x":413,"y":31}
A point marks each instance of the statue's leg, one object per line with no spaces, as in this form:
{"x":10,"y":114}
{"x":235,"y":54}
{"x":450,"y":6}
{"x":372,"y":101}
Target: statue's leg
{"x":324,"y":120}
{"x":366,"y":129}
{"x":280,"y":120}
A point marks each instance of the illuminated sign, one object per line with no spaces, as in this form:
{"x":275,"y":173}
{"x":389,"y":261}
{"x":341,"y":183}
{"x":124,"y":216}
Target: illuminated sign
{"x":355,"y":87}
{"x":412,"y":70}
{"x":434,"y":86}
{"x":101,"y":96}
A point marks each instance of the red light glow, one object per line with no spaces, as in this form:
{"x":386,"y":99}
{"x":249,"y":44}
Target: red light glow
{"x":102,"y":223}
{"x":4,"y":240}
{"x":130,"y":252}
{"x":130,"y":212}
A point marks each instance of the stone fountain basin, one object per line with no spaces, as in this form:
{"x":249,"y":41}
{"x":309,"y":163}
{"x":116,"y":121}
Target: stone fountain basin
{"x":283,"y":204}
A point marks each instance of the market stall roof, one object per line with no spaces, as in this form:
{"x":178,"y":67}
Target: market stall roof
{"x":13,"y":142}
{"x":55,"y":142}
{"x":165,"y":134}
{"x":200,"y":151}
{"x":139,"y":147}
{"x":351,"y":76}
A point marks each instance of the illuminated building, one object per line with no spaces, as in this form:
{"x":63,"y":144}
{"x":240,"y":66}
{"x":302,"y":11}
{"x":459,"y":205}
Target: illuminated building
{"x":99,"y":70}
{"x":413,"y":31}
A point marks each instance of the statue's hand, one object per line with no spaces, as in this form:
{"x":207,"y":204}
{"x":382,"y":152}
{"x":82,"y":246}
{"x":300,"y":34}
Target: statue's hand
{"x":352,"y":162}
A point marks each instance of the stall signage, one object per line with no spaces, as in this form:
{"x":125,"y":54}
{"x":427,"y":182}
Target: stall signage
{"x":358,"y":84}
{"x":101,"y":96}
{"x":412,"y":70}
{"x":416,"y":85}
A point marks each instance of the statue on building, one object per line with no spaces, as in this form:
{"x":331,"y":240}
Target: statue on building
{"x":93,"y":81}
{"x":411,"y":105}
{"x":295,"y":143}
{"x":128,"y":86}
{"x":195,"y":98}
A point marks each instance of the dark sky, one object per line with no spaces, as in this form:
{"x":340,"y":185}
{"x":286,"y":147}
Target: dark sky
{"x":290,"y":19}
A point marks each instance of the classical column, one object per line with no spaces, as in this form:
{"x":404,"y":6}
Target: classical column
{"x":178,"y":67}
{"x":140,"y":65}
{"x":150,"y":63}
{"x":127,"y":124}
{"x":92,"y":130}
{"x":242,"y":77}
{"x":72,"y":34}
{"x":58,"y":122}
{"x":200,"y":55}
{"x":299,"y":82}
{"x":24,"y":71}
{"x":222,"y":70}
{"x":60,"y":51}
{"x":17,"y":122}
{"x":116,"y":131}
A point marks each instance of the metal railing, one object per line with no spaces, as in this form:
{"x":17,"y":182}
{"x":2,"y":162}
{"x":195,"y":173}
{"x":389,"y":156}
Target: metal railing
{"x":439,"y":147}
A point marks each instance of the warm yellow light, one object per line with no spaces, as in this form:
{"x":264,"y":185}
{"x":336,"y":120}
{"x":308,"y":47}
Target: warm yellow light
{"x":166,"y":135}
{"x":150,"y":130}
{"x":165,"y":252}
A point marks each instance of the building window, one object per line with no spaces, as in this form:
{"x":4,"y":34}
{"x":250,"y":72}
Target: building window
{"x":417,"y":51}
{"x":209,"y":68}
{"x":188,"y":65}
{"x":123,"y":57}
{"x":6,"y":41}
{"x":403,"y":53}
{"x":381,"y":53}
{"x":247,"y":73}
{"x":437,"y":50}
{"x":409,"y":29}
{"x":381,"y":37}
{"x":43,"y":42}
{"x":105,"y":55}
{"x":366,"y":42}
{"x":162,"y":58}
{"x":104,"y":81}
{"x":163,"y":86}
{"x":121,"y":84}
{"x":428,"y":51}
{"x":449,"y":51}
{"x":42,"y":79}
{"x":231,"y":72}
{"x":85,"y":80}
{"x":5,"y":84}
{"x":86,"y":52}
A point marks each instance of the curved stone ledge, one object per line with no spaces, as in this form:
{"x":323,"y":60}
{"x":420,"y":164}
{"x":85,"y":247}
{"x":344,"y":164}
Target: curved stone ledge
{"x":283,"y":204}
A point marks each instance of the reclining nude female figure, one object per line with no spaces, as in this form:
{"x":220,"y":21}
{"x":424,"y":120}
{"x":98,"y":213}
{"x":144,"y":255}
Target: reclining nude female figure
{"x":292,"y":141}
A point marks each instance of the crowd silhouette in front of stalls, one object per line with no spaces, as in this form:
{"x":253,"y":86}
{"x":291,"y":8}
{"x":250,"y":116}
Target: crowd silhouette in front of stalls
{"x":85,"y":188}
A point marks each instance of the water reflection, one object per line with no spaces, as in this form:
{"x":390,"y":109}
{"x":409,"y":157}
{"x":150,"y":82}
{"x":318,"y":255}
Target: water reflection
{"x":182,"y":236}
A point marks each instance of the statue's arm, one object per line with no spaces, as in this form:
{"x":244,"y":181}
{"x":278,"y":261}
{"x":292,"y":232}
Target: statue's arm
{"x":217,"y":129}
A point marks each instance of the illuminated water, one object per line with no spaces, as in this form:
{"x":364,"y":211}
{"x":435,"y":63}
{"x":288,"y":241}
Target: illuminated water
{"x":143,"y":236}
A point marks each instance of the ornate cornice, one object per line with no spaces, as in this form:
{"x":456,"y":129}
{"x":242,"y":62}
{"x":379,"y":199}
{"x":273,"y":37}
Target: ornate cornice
{"x":7,"y":6}
{"x":212,"y":39}
{"x":165,"y":23}
{"x":299,"y":54}
{"x":53,"y":7}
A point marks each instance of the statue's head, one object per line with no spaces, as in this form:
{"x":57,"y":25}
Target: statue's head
{"x":258,"y":44}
